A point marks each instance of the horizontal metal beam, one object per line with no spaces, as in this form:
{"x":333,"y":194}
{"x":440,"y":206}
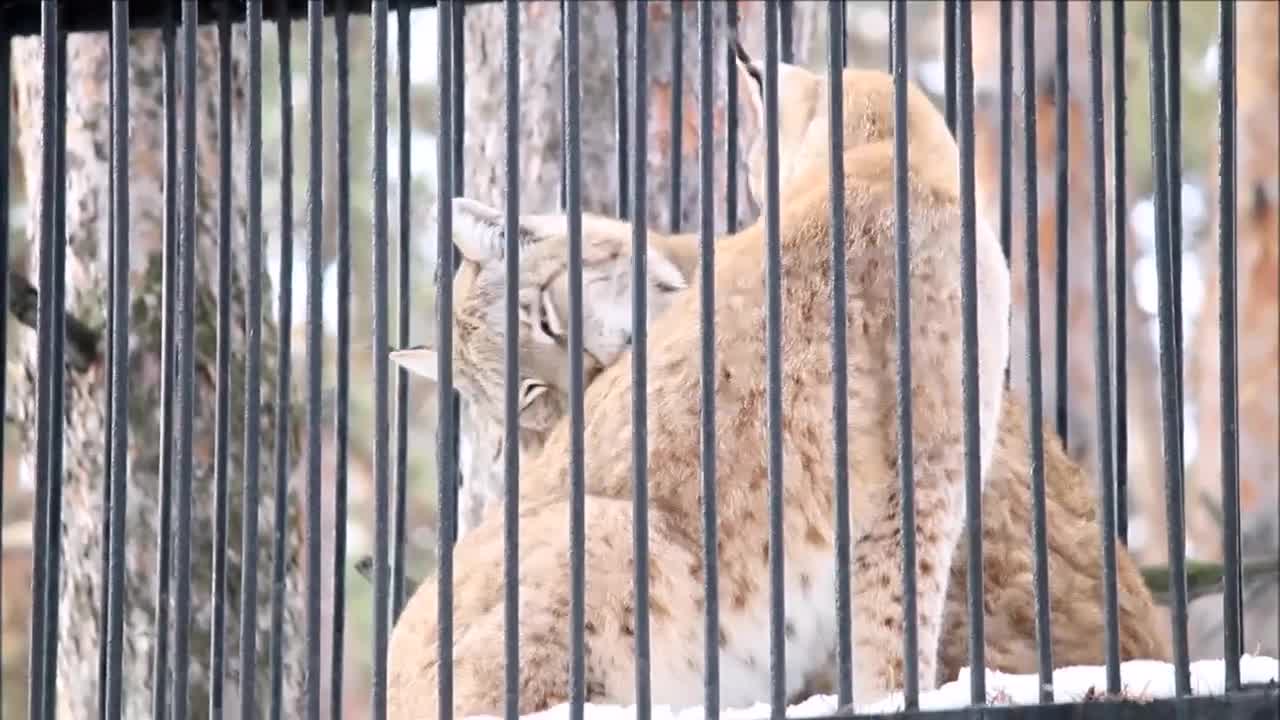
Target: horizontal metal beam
{"x":1248,"y":703}
{"x":22,"y":17}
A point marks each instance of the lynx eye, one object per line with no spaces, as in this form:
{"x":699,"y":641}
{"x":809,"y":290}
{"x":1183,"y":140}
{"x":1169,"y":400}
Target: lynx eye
{"x":529,"y":391}
{"x":546,"y":327}
{"x":549,"y":320}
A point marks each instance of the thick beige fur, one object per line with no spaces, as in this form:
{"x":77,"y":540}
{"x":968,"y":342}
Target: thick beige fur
{"x":674,"y":531}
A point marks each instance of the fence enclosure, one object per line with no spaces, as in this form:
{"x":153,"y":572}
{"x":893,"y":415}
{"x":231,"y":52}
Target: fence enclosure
{"x":191,"y":543}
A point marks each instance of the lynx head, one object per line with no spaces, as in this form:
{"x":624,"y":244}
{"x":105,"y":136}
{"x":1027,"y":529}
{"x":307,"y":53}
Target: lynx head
{"x":479,"y":336}
{"x":804,"y":119}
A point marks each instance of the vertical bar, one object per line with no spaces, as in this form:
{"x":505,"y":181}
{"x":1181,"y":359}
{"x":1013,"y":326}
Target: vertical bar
{"x":381,"y":421}
{"x":403,"y":263}
{"x":836,"y":54}
{"x":48,"y":228}
{"x":253,"y":367}
{"x":577,"y":448}
{"x":285,"y":359}
{"x":844,"y":34}
{"x":620,"y":104}
{"x":119,"y":366}
{"x":35,"y":672}
{"x":222,"y":409}
{"x":340,"y":431}
{"x":639,"y":332}
{"x":457,"y":91}
{"x":949,"y":62}
{"x":1121,"y":272}
{"x":1173,"y":136}
{"x":186,"y":366}
{"x":104,"y":597}
{"x":315,"y":346}
{"x":168,"y":373}
{"x":1035,"y":411}
{"x":564,"y":141}
{"x":731,"y":124}
{"x":773,"y":350}
{"x":57,"y":369}
{"x":902,"y":312}
{"x":511,"y":363}
{"x":969,"y":305}
{"x":1168,"y":365}
{"x":1006,"y":132}
{"x":1097,"y":140}
{"x":1228,"y":348}
{"x":1061,"y":214}
{"x":677,"y":111}
{"x":48,"y":121}
{"x":444,"y":356}
{"x":707,"y":376}
{"x":787,"y":30}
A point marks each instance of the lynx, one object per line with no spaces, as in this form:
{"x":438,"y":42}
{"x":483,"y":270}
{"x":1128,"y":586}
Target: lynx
{"x":745,"y":553}
{"x":1073,"y":531}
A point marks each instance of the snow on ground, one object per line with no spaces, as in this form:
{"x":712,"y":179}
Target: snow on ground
{"x":1139,"y":680}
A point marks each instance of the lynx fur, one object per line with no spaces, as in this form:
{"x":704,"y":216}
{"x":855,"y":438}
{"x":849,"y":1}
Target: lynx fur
{"x":675,"y":555}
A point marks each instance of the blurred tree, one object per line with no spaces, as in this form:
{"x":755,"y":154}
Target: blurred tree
{"x":542,"y":104}
{"x":87,"y":196}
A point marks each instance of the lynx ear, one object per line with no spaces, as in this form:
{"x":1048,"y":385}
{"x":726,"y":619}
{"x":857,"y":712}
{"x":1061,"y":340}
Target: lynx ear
{"x":419,"y":360}
{"x":480,"y":231}
{"x":750,"y":81}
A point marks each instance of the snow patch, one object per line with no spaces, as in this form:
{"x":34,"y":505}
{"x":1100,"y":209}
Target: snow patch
{"x":1140,"y":680}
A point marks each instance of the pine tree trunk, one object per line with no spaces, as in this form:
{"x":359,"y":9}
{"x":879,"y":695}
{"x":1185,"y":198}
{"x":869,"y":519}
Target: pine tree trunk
{"x":542,"y":102}
{"x":87,"y":203}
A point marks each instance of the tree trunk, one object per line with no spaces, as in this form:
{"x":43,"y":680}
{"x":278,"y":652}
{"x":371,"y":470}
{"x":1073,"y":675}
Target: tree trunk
{"x":87,"y":202}
{"x":542,"y":102}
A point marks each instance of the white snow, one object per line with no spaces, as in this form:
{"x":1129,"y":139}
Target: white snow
{"x":1140,"y":680}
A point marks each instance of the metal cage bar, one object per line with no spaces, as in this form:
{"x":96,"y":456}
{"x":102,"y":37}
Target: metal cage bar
{"x":1035,"y":400}
{"x":382,"y":424}
{"x":773,"y":349}
{"x":342,"y":402}
{"x":222,"y":401}
{"x":969,"y":378}
{"x":1062,"y":226}
{"x":403,"y":255}
{"x":253,"y":365}
{"x":1120,"y":268}
{"x":511,"y":357}
{"x":284,"y":371}
{"x":119,"y":439}
{"x":1170,"y":409}
{"x":1106,"y":485}
{"x":707,"y":368}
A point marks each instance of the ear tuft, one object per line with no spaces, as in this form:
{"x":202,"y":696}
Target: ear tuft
{"x":419,"y":360}
{"x":480,"y":231}
{"x":477,"y":230}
